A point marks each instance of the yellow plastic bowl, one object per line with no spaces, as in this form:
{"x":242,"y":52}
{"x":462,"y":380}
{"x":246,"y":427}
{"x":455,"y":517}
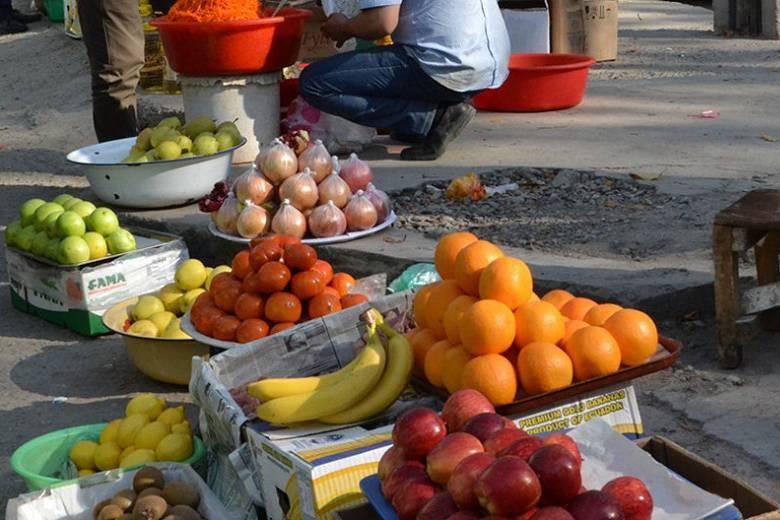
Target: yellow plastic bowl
{"x":163,"y":359}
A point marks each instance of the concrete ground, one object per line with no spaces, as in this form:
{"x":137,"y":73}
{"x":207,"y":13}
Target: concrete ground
{"x":636,"y":118}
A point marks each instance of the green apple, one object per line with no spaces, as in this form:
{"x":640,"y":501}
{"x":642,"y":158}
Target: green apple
{"x":171,"y":296}
{"x":70,"y":224}
{"x":39,"y":219}
{"x":52,"y":250}
{"x":143,"y":328}
{"x":199,"y":125}
{"x":191,"y":274}
{"x":73,"y":250}
{"x":83,"y":208}
{"x":12,"y":231}
{"x":51,"y":224}
{"x":224,"y":140}
{"x":168,"y":151}
{"x":103,"y":221}
{"x":25,"y":238}
{"x":205,"y":144}
{"x":120,"y":241}
{"x":144,"y":140}
{"x":187,"y":155}
{"x":28,"y":209}
{"x":62,"y":198}
{"x":163,"y":134}
{"x":185,"y":143}
{"x":97,"y":245}
{"x":170,"y":122}
{"x":39,"y":243}
{"x":173,"y":331}
{"x":228,"y":125}
{"x":67,"y":205}
{"x":162,"y":319}
{"x":147,"y":306}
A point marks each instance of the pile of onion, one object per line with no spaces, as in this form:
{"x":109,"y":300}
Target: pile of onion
{"x":252,"y":187}
{"x":317,"y":159}
{"x":301,"y":190}
{"x":327,"y":221}
{"x":356,"y":173}
{"x":252,"y":221}
{"x":277,"y":162}
{"x":360,"y":212}
{"x":289,"y":221}
{"x":381,"y":202}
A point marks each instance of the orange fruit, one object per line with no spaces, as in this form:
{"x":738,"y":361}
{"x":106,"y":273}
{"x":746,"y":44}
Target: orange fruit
{"x":543,"y":367}
{"x":343,"y":282}
{"x":300,"y":257}
{"x":421,"y":343}
{"x":577,"y":308}
{"x":507,"y":280}
{"x":447,"y":250}
{"x":240,"y":265}
{"x":594,"y":352}
{"x":537,"y":321}
{"x":279,"y":327}
{"x":487,"y":327}
{"x":264,"y":252}
{"x":533,"y":298}
{"x":249,"y":306}
{"x":226,"y":296}
{"x":273,"y":277}
{"x":351,"y":300}
{"x":558,"y":297}
{"x":441,"y":296}
{"x":470,"y":263}
{"x":420,"y":302}
{"x":307,"y":284}
{"x":323,"y":304}
{"x":453,"y":315}
{"x":225,"y":327}
{"x":635,"y":333}
{"x":251,"y":330}
{"x":454,"y":361}
{"x":493,"y":376}
{"x":600,"y":313}
{"x":412,"y":333}
{"x":325,"y":269}
{"x":204,"y":319}
{"x":282,"y":306}
{"x":433,"y":366}
{"x":569,"y":328}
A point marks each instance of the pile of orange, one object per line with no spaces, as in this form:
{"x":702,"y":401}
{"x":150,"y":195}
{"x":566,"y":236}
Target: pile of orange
{"x":275,"y":284}
{"x":483,"y":327}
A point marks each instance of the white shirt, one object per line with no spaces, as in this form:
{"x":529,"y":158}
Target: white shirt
{"x":461,"y":44}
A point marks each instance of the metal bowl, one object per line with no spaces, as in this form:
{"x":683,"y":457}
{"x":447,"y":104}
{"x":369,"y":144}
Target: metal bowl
{"x":158,"y":184}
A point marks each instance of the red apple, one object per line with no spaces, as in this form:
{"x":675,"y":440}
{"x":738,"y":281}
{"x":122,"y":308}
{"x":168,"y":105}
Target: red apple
{"x":417,"y":431}
{"x":412,"y":497}
{"x":523,"y":448}
{"x":466,"y":515}
{"x":552,"y":513}
{"x":390,"y":460}
{"x":633,"y":496}
{"x":484,"y":425}
{"x":406,"y":472}
{"x":440,"y":507}
{"x":558,"y":471}
{"x":508,"y":487}
{"x":462,"y":406}
{"x":595,"y":505}
{"x":448,"y":453}
{"x":464,"y":478}
{"x":565,"y":441}
{"x":501,"y":440}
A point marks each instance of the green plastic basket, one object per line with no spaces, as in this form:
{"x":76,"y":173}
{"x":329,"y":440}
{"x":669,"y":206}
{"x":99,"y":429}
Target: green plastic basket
{"x":38,"y":459}
{"x":55,"y":9}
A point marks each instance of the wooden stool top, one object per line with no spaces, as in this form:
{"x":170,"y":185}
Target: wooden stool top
{"x":759,"y":210}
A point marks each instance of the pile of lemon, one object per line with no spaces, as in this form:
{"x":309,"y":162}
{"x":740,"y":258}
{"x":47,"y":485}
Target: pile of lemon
{"x":149,"y":432}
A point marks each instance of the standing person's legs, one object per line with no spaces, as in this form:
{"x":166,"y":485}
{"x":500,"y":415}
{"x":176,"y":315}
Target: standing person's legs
{"x":8,"y":23}
{"x":114,"y":37}
{"x":380,"y":88}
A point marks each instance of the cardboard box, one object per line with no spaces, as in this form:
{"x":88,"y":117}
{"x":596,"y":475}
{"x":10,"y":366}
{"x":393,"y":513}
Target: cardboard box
{"x":528,"y":23}
{"x":315,"y":45}
{"x":587,"y":27}
{"x":77,"y":297}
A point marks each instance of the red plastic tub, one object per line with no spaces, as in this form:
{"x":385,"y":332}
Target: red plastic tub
{"x":233,"y":48}
{"x":538,"y":83}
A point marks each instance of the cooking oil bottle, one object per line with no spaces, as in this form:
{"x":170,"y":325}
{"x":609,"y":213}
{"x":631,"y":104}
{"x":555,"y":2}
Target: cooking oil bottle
{"x":154,"y":59}
{"x":170,"y":82}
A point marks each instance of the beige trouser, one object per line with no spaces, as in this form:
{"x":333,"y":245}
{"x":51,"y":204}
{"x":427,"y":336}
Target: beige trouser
{"x":114,"y":37}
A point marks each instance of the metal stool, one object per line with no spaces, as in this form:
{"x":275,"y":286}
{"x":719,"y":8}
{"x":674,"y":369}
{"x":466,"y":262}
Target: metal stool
{"x":751,"y":222}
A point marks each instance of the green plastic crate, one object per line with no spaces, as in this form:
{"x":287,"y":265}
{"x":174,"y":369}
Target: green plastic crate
{"x":55,"y":10}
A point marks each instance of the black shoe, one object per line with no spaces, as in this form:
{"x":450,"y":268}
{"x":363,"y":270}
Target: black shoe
{"x":453,"y":120}
{"x":25,"y":17}
{"x":11,"y":26}
{"x":407,"y":138}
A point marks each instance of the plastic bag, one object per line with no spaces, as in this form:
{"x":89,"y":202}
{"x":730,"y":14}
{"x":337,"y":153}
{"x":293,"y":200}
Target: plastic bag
{"x":336,"y":133}
{"x":414,"y":277}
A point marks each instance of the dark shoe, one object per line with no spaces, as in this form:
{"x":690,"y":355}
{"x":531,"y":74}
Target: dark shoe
{"x":453,"y":120}
{"x":11,"y":26}
{"x":407,"y":138}
{"x":25,"y":17}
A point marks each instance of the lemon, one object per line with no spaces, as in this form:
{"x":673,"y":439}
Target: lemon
{"x":183,"y":427}
{"x":129,"y":429}
{"x":172,"y":416}
{"x":144,"y":328}
{"x":216,"y":271}
{"x":162,"y":319}
{"x":138,"y":457}
{"x":174,"y":447}
{"x":146,"y":404}
{"x":110,"y":432}
{"x":191,"y":274}
{"x":107,"y":456}
{"x":171,"y":297}
{"x":127,"y":451}
{"x":86,"y":472}
{"x":83,"y":454}
{"x":146,"y":306}
{"x":151,"y":435}
{"x":174,"y":331}
{"x":189,"y":299}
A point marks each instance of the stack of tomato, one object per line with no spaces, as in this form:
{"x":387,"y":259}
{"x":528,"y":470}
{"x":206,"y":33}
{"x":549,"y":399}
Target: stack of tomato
{"x":275,"y":284}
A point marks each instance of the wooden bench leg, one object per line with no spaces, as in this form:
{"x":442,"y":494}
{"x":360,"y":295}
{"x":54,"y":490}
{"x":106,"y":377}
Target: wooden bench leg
{"x":727,"y":296}
{"x":768,"y":271}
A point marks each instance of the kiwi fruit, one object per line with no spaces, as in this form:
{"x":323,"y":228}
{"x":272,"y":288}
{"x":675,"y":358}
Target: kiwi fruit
{"x":179,"y":493}
{"x":182,"y":512}
{"x":150,"y":491}
{"x":110,"y":512}
{"x":148,"y":477}
{"x":150,"y":507}
{"x":124,"y":499}
{"x":98,"y":508}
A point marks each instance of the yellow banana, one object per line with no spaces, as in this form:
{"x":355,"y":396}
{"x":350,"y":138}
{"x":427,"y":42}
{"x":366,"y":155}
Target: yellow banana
{"x":332,"y":399}
{"x":394,"y":379}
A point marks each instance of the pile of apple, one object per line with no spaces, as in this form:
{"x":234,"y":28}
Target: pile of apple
{"x":470,"y":462}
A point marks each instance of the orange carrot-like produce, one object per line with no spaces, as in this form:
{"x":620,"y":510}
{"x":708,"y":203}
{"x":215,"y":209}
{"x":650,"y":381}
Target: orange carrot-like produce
{"x":215,"y":10}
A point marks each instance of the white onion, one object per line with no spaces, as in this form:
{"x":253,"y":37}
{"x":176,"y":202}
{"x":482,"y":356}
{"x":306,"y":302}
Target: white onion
{"x":381,"y":202}
{"x":316,"y":159}
{"x":253,"y":187}
{"x":335,"y":189}
{"x":252,"y":221}
{"x":277,"y":162}
{"x":327,"y":221}
{"x":356,"y":173}
{"x":301,"y":190}
{"x":289,"y":221}
{"x":227,"y":215}
{"x":360,"y":213}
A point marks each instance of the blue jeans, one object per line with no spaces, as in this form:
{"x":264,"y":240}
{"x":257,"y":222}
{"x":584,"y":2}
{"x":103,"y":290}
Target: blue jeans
{"x":383,"y":87}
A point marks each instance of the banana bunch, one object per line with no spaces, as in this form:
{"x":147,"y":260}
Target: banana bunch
{"x":364,"y":388}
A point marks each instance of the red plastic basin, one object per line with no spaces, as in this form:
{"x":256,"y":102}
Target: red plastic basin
{"x":538,"y":83}
{"x":233,"y":48}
